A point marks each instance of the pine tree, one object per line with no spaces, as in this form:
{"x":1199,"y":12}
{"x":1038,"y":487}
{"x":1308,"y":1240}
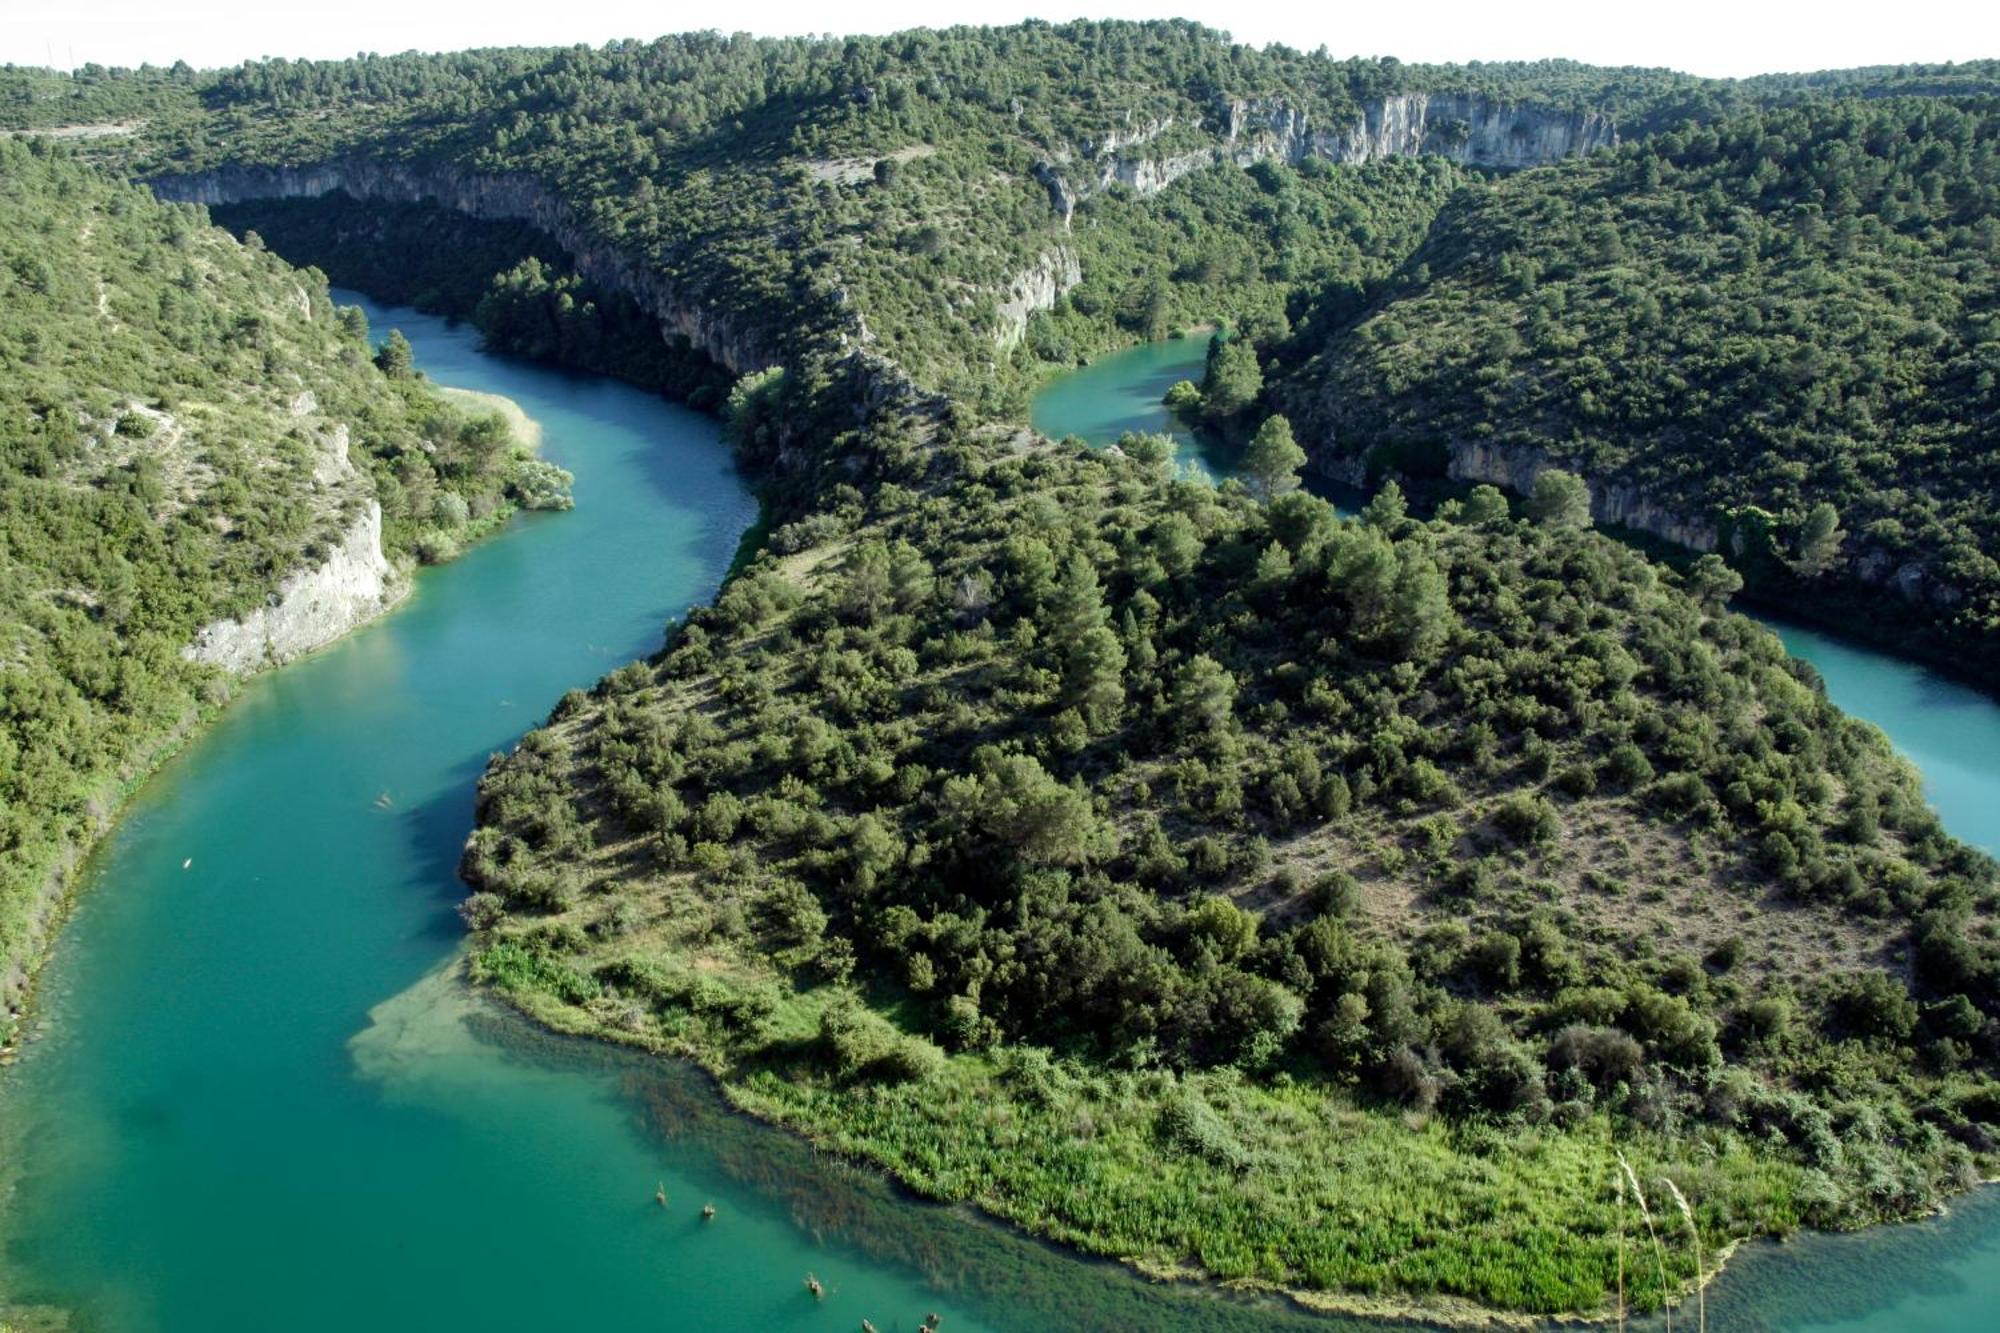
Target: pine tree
{"x":1272,"y":463}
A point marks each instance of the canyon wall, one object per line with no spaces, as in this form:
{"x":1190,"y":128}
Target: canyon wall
{"x":716,"y":332}
{"x":1464,"y":127}
{"x":312,"y":607}
{"x":1037,"y":287}
{"x":1617,"y":504}
{"x":495,"y":198}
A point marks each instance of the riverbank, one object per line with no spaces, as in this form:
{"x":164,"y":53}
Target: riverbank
{"x":200,"y":1020}
{"x":332,"y":613}
{"x":527,"y":432}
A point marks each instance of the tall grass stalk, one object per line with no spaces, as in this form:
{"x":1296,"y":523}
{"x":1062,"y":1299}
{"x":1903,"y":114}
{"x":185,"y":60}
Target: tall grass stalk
{"x":1659,"y":1251}
{"x":1619,"y":1178}
{"x":1700,"y":1287}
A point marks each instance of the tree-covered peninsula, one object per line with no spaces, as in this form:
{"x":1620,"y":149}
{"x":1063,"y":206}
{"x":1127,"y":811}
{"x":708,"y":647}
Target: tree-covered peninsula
{"x":1249,"y":892}
{"x":185,"y":421}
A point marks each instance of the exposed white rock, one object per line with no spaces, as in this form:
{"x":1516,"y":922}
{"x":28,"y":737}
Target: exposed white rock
{"x":333,"y":466}
{"x":1037,"y":287}
{"x":1468,"y":129}
{"x":311,"y":608}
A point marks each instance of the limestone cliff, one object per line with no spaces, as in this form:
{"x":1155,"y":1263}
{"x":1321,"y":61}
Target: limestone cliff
{"x":1470,"y":130}
{"x":1037,"y":287}
{"x":311,"y":608}
{"x":1464,"y":127}
{"x":1615,"y":503}
{"x":520,"y":198}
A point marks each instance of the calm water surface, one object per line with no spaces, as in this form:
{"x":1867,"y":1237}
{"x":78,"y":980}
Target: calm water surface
{"x":1934,"y":1276}
{"x":1122,"y":392}
{"x":244,"y":1117}
{"x":261,"y":1102}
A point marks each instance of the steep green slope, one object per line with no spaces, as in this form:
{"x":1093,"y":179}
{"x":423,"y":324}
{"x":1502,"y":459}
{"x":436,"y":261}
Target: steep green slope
{"x":1242,"y":891}
{"x":1740,"y":324}
{"x":184,"y":421}
{"x":912,"y":194}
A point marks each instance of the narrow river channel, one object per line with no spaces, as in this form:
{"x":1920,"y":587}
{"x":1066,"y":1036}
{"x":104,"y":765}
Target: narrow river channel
{"x":252,"y":1111}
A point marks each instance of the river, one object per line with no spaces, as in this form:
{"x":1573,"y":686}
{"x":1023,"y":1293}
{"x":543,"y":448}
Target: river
{"x":259,"y":1100}
{"x":256,"y":1107}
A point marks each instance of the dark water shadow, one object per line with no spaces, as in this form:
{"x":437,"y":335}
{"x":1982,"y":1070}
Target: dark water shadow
{"x":1011,"y":1279}
{"x":436,"y":832}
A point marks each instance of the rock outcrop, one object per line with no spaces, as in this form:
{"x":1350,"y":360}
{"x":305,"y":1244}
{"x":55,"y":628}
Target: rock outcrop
{"x":1037,"y":287}
{"x":1618,"y":504}
{"x":1468,"y":129}
{"x":706,"y":326}
{"x":311,"y":607}
{"x":1464,"y":127}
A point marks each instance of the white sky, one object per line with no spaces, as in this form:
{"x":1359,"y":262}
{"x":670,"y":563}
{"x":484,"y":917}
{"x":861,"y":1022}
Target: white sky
{"x":1714,"y":37}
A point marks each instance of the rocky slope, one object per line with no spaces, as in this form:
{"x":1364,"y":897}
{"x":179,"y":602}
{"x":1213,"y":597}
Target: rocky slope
{"x":511,"y":198}
{"x":310,"y":609}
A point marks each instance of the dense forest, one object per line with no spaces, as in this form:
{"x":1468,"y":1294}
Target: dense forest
{"x":1190,"y":873}
{"x":1177,"y":873}
{"x":1780,"y":326}
{"x":186,"y":420}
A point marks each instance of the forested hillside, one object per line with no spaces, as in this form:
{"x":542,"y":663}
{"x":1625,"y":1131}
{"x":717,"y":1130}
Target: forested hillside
{"x":1176,"y":875}
{"x":185,"y":420}
{"x":1780,"y":328}
{"x":893,"y":191}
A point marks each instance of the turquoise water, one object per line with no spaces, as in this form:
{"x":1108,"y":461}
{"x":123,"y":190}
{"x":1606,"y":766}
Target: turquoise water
{"x":1122,"y":392}
{"x":1931,"y":1277}
{"x":260,"y":1104}
{"x":1950,"y":732}
{"x":253,"y":1112}
{"x":260,"y":1101}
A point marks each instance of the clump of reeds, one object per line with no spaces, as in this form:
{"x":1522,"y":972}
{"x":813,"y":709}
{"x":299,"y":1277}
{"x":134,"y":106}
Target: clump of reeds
{"x":1659,"y":1251}
{"x":1619,"y":1178}
{"x":1694,"y":1231}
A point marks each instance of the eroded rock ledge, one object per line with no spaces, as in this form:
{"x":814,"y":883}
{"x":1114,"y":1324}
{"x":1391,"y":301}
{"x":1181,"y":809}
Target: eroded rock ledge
{"x":312,"y":606}
{"x":1464,"y":127}
{"x":509,"y":198}
{"x":1620,"y":504}
{"x":1037,"y":287}
{"x":1625,"y":504}
{"x":707,"y":327}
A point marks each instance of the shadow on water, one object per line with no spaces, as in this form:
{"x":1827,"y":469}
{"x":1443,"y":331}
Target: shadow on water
{"x":955,"y":1251}
{"x":436,"y":832}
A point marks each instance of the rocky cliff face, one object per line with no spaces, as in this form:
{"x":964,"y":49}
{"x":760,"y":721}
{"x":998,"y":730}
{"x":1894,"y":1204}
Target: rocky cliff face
{"x":523,"y":199}
{"x":1616,"y":503}
{"x":1468,"y":129}
{"x":1037,"y":287}
{"x":509,"y":198}
{"x":311,"y":608}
